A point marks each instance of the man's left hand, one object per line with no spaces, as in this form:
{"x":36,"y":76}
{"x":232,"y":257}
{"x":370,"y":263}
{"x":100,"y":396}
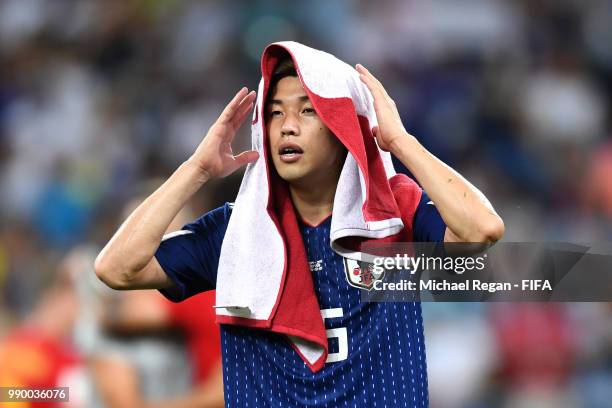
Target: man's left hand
{"x":390,"y":128}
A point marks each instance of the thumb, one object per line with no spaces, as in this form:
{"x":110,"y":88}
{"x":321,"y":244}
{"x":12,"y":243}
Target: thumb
{"x":375,"y":131}
{"x":246,"y":157}
{"x":379,"y":141}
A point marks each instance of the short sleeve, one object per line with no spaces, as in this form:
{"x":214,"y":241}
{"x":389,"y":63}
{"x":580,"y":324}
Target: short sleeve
{"x":190,"y":256}
{"x":428,"y":224}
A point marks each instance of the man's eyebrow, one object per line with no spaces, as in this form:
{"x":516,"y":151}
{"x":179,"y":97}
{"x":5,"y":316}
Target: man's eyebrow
{"x":302,"y":98}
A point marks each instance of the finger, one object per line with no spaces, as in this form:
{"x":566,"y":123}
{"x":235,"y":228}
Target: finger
{"x":379,"y":142}
{"x":249,"y":98}
{"x":379,"y":98}
{"x":372,"y":85}
{"x":245,"y":104}
{"x":375,"y":131}
{"x":240,"y":116}
{"x":372,"y":79}
{"x":246,"y":157}
{"x":363,"y":70}
{"x":232,"y":106}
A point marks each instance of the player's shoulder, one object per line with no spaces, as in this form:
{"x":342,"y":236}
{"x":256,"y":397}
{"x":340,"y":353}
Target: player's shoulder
{"x":228,"y":208}
{"x":223,"y":211}
{"x":217,"y":218}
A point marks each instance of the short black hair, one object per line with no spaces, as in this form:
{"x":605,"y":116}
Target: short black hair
{"x":284,"y":68}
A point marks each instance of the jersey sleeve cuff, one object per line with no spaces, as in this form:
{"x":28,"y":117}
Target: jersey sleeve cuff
{"x":176,"y":292}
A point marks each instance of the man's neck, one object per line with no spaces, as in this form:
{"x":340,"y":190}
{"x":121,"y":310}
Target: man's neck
{"x":313,"y":205}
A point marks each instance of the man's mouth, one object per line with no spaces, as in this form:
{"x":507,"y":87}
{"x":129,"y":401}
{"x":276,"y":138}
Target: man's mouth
{"x":290,"y":152}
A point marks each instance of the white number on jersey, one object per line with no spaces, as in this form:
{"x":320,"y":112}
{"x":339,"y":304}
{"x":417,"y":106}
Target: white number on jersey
{"x":339,"y":333}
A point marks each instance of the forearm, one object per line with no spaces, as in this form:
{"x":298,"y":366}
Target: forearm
{"x":465,"y":210}
{"x":135,"y":242}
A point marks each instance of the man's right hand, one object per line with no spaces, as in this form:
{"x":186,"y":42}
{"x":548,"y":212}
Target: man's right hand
{"x":214,"y":156}
{"x":128,"y":259}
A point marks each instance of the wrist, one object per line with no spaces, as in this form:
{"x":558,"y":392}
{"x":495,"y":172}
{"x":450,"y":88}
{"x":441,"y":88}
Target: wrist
{"x":409,"y":152}
{"x":402,"y":143}
{"x":196,"y":171}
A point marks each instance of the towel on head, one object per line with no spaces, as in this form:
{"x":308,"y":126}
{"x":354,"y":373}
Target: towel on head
{"x":264,"y":280}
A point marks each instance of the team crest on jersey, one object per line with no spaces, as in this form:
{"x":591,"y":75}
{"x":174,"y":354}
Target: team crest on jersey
{"x":361,"y":275}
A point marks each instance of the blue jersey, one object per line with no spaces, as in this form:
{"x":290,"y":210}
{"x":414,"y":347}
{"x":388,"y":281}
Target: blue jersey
{"x":377,"y":352}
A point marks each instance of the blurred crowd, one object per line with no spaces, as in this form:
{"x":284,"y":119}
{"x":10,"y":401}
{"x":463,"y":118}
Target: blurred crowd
{"x":99,"y":96}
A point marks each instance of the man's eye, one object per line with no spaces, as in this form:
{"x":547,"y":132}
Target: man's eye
{"x":309,"y":110}
{"x":275,"y":113}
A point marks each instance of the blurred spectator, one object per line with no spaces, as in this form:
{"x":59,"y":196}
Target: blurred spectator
{"x":146,"y":314}
{"x":461,"y":354}
{"x":39,"y":353}
{"x":561,"y":103}
{"x":597,"y":186}
{"x":144,"y":351}
{"x":537,"y":348}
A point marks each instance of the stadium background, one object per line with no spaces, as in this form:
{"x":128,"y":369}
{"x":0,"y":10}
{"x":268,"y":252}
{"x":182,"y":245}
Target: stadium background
{"x":97,"y":97}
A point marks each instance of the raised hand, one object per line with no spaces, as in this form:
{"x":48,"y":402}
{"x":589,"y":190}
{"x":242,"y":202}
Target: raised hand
{"x":390,"y":126}
{"x":214,"y":156}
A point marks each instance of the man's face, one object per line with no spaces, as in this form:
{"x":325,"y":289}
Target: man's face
{"x":303,"y":149}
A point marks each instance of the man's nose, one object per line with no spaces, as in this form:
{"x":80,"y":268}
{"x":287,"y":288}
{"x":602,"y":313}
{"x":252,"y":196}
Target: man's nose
{"x":290,"y":126}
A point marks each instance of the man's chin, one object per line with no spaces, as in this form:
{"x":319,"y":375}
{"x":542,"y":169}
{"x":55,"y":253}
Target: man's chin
{"x":291,"y":177}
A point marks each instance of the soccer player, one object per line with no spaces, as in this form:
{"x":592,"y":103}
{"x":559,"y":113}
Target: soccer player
{"x":378,"y":356}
